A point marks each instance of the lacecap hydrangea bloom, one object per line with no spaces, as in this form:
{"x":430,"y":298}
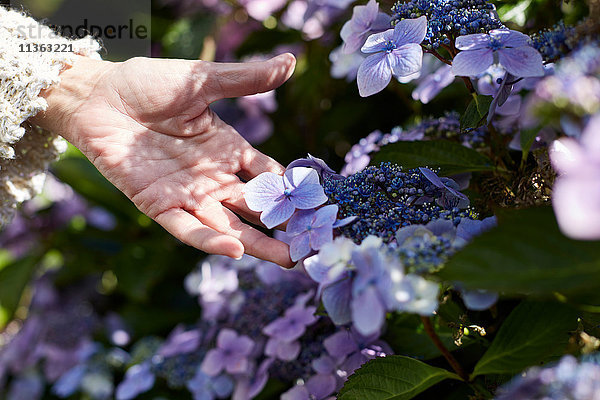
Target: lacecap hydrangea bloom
{"x":509,"y":48}
{"x":395,"y":52}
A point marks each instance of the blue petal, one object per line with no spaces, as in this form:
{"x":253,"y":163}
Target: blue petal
{"x":336,"y":300}
{"x":510,"y":38}
{"x":69,"y":383}
{"x":326,"y":216}
{"x":522,"y":61}
{"x":278,"y":214}
{"x":377,"y":42}
{"x":368,"y":313}
{"x":300,"y":221}
{"x":260,"y":193}
{"x":410,"y":31}
{"x":473,"y":42}
{"x":374,"y":74}
{"x":138,"y":379}
{"x":406,"y":60}
{"x":300,"y":246}
{"x":472,"y":62}
{"x":320,"y":236}
{"x":479,"y":300}
{"x":308,"y":196}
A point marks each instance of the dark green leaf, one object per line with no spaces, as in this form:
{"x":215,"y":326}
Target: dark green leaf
{"x":527,"y":137}
{"x":450,"y":157}
{"x":476,"y":112}
{"x":532,"y":334}
{"x":392,"y":378}
{"x":13,"y":280}
{"x":527,"y":254}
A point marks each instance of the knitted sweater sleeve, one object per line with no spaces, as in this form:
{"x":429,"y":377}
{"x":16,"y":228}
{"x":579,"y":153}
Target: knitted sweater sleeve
{"x":27,"y":150}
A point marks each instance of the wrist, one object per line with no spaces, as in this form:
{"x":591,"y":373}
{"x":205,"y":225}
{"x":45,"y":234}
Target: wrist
{"x":65,"y":99}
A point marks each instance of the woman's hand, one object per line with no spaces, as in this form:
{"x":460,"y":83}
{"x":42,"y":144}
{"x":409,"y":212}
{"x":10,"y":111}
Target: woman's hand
{"x":146,"y":125}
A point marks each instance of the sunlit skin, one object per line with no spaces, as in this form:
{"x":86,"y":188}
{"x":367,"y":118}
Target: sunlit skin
{"x":147,"y":126}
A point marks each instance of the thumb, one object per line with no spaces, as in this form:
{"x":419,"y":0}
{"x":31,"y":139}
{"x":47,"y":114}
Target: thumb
{"x":242,"y":79}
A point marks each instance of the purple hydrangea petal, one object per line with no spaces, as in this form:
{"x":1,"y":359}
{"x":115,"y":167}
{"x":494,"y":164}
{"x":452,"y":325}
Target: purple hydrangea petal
{"x":576,"y":205}
{"x":261,"y":191}
{"x":296,"y":393}
{"x":323,"y":365}
{"x":406,"y":60}
{"x":286,"y":351}
{"x":410,"y":31}
{"x":297,"y":177}
{"x":377,"y":41}
{"x":433,"y":84}
{"x":300,"y":246}
{"x":69,"y":383}
{"x":138,"y":379}
{"x":180,"y":342}
{"x":213,"y":362}
{"x":343,"y":222}
{"x":374,"y":74}
{"x":308,"y":196}
{"x":320,"y":236}
{"x":317,"y":271}
{"x":321,"y":385}
{"x":368,"y":312}
{"x":472,"y":62}
{"x":479,"y":300}
{"x":226,"y":338}
{"x":340,"y":344}
{"x":382,"y":22}
{"x":510,"y":38}
{"x":336,"y":300}
{"x":472,"y":42}
{"x":242,"y":345}
{"x":277,"y":214}
{"x":238,"y":365}
{"x":315,"y":163}
{"x":325,"y":216}
{"x":299,"y":221}
{"x":522,"y":61}
{"x":222,"y":385}
{"x":467,"y":229}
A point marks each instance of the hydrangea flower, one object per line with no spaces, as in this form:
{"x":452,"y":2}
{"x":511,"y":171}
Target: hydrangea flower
{"x":510,"y":48}
{"x":277,"y":197}
{"x":231,"y":354}
{"x":345,"y":65}
{"x":576,"y":192}
{"x":204,"y":387}
{"x":284,"y":332}
{"x":451,"y":197}
{"x":315,"y":163}
{"x":365,"y":20}
{"x":318,"y":387}
{"x":567,"y":379}
{"x":394,"y":52}
{"x":351,"y":349}
{"x":433,"y":83}
{"x":138,"y":379}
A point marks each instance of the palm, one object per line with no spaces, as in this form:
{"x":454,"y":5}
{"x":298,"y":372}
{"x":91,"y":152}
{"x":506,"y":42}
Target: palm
{"x":149,"y":130}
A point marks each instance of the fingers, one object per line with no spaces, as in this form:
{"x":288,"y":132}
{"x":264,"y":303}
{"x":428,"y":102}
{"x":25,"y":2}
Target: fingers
{"x":226,"y":80}
{"x":255,"y":243}
{"x":254,"y":163}
{"x":189,"y":230}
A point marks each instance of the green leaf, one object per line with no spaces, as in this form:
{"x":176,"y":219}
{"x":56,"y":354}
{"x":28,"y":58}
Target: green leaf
{"x":532,"y":334}
{"x":450,"y":157}
{"x":527,"y":137}
{"x":476,"y":112}
{"x":392,"y":378}
{"x":527,"y":254}
{"x":14,"y":277}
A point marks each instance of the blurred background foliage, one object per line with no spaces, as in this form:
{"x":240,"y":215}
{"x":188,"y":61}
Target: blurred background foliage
{"x":140,"y":269}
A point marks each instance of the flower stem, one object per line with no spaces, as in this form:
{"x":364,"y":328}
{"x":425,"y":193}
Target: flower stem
{"x":445,"y":352}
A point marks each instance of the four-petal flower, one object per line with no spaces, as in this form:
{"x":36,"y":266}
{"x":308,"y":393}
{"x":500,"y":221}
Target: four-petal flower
{"x":395,"y":52}
{"x":279,"y":196}
{"x":509,"y":48}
